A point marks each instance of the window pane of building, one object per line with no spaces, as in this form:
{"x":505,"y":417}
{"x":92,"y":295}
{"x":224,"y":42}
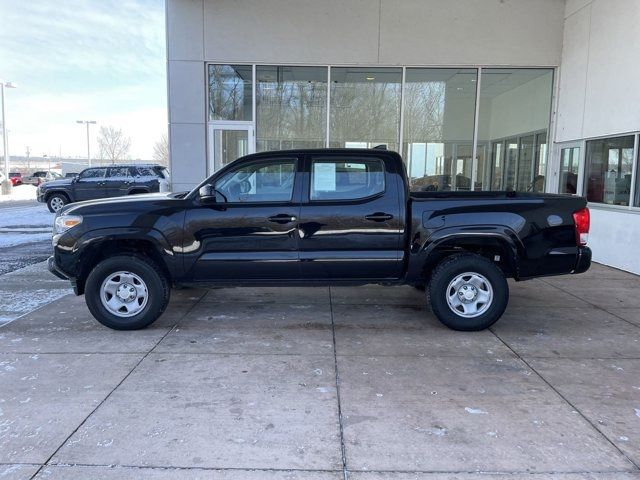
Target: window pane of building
{"x":230,"y":89}
{"x":481,"y":173}
{"x":365,"y":107}
{"x":497,"y":165}
{"x":526,"y":163}
{"x":609,"y":163}
{"x":569,"y":158}
{"x":540,"y":167}
{"x":291,"y":107}
{"x":515,"y":107}
{"x":511,"y":160}
{"x":439,"y":110}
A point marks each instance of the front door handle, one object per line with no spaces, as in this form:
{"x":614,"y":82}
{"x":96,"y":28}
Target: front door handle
{"x":379,"y":217}
{"x":282,"y":218}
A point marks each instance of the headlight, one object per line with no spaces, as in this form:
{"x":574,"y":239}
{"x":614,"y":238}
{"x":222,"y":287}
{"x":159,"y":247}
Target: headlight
{"x":66,"y":222}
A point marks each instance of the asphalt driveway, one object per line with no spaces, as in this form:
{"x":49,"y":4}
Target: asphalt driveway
{"x":319,"y":383}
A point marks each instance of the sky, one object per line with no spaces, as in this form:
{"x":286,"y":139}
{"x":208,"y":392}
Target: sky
{"x":101,"y":60}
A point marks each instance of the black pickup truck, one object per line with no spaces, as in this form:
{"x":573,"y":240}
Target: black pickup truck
{"x":317,"y":217}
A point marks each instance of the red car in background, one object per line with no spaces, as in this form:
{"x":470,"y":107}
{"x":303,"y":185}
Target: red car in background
{"x":15,"y":178}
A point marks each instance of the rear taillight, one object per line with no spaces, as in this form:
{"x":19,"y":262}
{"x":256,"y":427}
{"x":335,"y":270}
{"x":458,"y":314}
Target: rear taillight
{"x":582,"y":220}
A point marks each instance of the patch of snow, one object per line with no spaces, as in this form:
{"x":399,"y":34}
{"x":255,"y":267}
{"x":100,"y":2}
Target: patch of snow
{"x":21,"y":192}
{"x":475,"y":411}
{"x":13,"y":239}
{"x":37,"y":215}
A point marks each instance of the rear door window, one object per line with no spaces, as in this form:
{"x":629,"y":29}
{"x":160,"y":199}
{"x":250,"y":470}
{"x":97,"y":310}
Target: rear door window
{"x":335,"y":178}
{"x":118,"y":172}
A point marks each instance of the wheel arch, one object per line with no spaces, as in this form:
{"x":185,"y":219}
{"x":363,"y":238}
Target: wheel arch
{"x":48,"y":195}
{"x":499,"y":247}
{"x":151,"y":245}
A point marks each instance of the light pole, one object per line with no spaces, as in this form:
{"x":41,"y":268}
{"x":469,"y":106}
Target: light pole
{"x":87,"y":123}
{"x":6,"y":184}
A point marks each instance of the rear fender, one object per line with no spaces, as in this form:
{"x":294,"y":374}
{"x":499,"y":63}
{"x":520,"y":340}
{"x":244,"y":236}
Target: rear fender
{"x":468,"y":238}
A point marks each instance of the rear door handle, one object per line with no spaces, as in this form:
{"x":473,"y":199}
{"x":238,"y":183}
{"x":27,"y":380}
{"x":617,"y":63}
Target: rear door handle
{"x":282,"y":218}
{"x":379,"y":217}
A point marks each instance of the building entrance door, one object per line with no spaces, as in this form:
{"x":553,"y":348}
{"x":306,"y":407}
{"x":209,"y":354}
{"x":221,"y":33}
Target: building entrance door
{"x":229,"y":141}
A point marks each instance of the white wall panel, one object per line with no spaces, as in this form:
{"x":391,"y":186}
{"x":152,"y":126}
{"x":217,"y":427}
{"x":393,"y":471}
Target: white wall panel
{"x":184,"y":29}
{"x":390,"y":32}
{"x":573,"y":76}
{"x":572,"y":6}
{"x":286,"y":31}
{"x":614,"y":238}
{"x":612,"y":96}
{"x":188,"y":157}
{"x":471,"y":32}
{"x":186,"y":92}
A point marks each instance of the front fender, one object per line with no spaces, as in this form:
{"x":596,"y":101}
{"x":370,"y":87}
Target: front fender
{"x":73,"y":255}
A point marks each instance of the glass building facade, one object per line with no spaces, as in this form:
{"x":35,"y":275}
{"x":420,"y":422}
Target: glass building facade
{"x":456,"y":128}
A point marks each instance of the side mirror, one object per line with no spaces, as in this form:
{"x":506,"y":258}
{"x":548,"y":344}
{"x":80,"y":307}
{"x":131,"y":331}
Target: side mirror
{"x":207,"y":194}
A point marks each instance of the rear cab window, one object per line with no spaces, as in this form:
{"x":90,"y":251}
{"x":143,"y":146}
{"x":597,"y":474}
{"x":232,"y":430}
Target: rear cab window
{"x":336,"y":178}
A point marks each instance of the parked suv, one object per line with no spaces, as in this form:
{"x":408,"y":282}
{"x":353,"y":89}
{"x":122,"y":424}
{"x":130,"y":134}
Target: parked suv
{"x":101,"y":182}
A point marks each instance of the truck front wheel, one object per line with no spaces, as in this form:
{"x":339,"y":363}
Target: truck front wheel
{"x":468,"y":292}
{"x":56,"y":201}
{"x":126,"y":292}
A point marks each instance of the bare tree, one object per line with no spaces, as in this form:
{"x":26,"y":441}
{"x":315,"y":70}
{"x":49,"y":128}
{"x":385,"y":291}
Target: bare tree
{"x":113,"y":144}
{"x":161,"y":151}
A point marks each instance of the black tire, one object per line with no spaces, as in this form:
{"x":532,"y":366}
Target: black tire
{"x":454,"y":266}
{"x":157,"y":288}
{"x":55,"y":199}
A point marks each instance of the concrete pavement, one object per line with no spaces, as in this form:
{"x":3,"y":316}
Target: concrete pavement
{"x":319,"y":383}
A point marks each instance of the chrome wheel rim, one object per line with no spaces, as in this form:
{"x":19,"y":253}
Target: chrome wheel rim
{"x":124,"y":294}
{"x":57,"y":203}
{"x":469,"y":295}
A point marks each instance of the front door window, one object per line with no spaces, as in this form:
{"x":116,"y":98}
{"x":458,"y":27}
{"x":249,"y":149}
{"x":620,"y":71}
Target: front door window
{"x":259,"y":182}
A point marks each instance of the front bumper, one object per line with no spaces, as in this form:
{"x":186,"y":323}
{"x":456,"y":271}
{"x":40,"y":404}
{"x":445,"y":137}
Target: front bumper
{"x":584,"y":260}
{"x":53,"y":268}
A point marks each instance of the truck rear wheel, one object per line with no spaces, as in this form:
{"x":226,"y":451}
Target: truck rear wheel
{"x":127,"y":292}
{"x":468,"y":292}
